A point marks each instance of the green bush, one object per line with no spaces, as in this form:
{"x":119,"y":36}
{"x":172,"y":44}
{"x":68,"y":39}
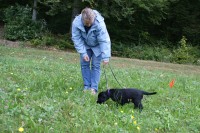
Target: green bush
{"x":158,"y":52}
{"x":195,"y":52}
{"x":145,"y":52}
{"x":60,"y":41}
{"x":182,"y":55}
{"x":19,"y":25}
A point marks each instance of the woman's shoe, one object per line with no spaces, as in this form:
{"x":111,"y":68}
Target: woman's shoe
{"x":94,"y":92}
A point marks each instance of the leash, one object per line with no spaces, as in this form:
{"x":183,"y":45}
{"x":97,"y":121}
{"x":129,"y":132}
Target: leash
{"x":105,"y":76}
{"x":113,"y":76}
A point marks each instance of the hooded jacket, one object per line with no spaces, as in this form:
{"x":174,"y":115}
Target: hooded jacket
{"x":96,"y":39}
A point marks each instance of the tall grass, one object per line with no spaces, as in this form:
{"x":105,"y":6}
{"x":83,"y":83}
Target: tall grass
{"x":41,"y":91}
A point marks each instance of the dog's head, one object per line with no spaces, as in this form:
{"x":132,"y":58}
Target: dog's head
{"x":102,"y":97}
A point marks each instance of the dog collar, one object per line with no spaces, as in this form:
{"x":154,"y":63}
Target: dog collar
{"x":108,"y":92}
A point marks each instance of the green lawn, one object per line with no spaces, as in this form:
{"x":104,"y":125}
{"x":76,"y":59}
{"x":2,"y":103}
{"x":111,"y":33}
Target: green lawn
{"x":41,"y":91}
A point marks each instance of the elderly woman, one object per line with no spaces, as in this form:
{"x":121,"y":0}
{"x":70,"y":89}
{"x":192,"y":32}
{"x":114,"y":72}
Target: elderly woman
{"x":92,"y":41}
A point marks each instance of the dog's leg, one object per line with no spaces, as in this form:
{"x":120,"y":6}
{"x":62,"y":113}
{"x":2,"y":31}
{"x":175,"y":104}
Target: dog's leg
{"x":140,"y":107}
{"x":138,"y":104}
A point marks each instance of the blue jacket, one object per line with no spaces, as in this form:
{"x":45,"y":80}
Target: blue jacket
{"x":97,"y":37}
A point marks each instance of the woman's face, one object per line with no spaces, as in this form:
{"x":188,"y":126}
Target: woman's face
{"x":88,"y":22}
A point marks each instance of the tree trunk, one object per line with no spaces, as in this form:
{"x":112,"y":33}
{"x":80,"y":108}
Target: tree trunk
{"x":75,"y":11}
{"x":34,"y":16}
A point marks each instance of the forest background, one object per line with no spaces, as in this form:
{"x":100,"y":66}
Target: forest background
{"x":160,"y":30}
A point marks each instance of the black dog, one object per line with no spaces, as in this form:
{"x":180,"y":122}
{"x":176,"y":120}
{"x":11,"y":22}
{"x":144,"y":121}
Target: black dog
{"x":123,"y":96}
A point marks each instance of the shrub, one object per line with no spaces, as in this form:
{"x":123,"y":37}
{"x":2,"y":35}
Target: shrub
{"x":19,"y":25}
{"x":156,"y":53}
{"x":145,"y":52}
{"x":48,"y":39}
{"x":195,"y":52}
{"x":182,"y":54}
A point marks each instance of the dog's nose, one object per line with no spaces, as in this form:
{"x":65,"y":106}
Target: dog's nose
{"x":98,"y":102}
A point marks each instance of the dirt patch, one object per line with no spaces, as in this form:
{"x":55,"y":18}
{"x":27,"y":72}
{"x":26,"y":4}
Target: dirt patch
{"x":9,"y":43}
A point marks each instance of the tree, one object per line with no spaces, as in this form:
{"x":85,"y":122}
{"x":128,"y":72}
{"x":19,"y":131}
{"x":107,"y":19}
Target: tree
{"x":135,"y":19}
{"x":34,"y":16}
{"x":19,"y":25}
{"x":76,"y":10}
{"x":183,"y":20}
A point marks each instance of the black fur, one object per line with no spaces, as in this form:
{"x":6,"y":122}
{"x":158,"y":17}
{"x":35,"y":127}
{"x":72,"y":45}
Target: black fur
{"x":123,"y":96}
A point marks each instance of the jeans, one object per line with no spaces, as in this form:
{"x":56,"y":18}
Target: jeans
{"x":91,"y":70}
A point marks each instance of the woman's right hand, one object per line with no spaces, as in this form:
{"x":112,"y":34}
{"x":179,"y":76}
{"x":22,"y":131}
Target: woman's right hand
{"x":86,"y":58}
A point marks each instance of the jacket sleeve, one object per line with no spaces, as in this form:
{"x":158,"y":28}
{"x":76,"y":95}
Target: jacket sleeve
{"x":104,"y":41}
{"x":78,"y":40}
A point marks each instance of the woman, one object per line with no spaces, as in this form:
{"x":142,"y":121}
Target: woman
{"x":92,"y":41}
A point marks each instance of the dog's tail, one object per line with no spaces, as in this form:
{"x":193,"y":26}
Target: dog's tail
{"x":149,"y":93}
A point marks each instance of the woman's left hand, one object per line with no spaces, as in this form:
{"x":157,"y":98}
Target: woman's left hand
{"x":105,"y":62}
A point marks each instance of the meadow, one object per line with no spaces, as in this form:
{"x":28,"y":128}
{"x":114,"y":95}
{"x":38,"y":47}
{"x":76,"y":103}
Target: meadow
{"x":41,"y":92}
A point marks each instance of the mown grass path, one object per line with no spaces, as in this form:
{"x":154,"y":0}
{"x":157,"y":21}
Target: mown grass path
{"x":41,"y":92}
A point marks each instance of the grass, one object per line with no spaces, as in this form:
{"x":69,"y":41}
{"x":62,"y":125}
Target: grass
{"x":41,"y":91}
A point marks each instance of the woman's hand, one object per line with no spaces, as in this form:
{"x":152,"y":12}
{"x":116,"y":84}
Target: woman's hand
{"x":105,"y":62}
{"x":86,"y":58}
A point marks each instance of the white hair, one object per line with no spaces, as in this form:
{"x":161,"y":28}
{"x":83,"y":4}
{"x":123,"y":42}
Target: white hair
{"x":88,"y":14}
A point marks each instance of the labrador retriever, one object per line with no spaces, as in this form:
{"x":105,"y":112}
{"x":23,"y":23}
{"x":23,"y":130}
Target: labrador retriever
{"x":123,"y":96}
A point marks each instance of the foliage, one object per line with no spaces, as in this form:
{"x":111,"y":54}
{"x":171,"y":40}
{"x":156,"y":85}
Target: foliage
{"x":41,"y":92}
{"x":129,"y":10}
{"x":18,"y":24}
{"x":56,"y":6}
{"x":183,"y":19}
{"x":133,"y":17}
{"x":144,"y":52}
{"x":182,"y":55}
{"x":60,"y":41}
{"x":158,"y":52}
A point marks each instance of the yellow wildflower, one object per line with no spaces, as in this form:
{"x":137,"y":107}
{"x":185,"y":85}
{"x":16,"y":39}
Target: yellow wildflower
{"x":21,"y":129}
{"x":135,"y":122}
{"x":122,"y":111}
{"x":70,"y":88}
{"x":18,"y":89}
{"x":132,"y":117}
{"x":115,"y":123}
{"x":138,"y":128}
